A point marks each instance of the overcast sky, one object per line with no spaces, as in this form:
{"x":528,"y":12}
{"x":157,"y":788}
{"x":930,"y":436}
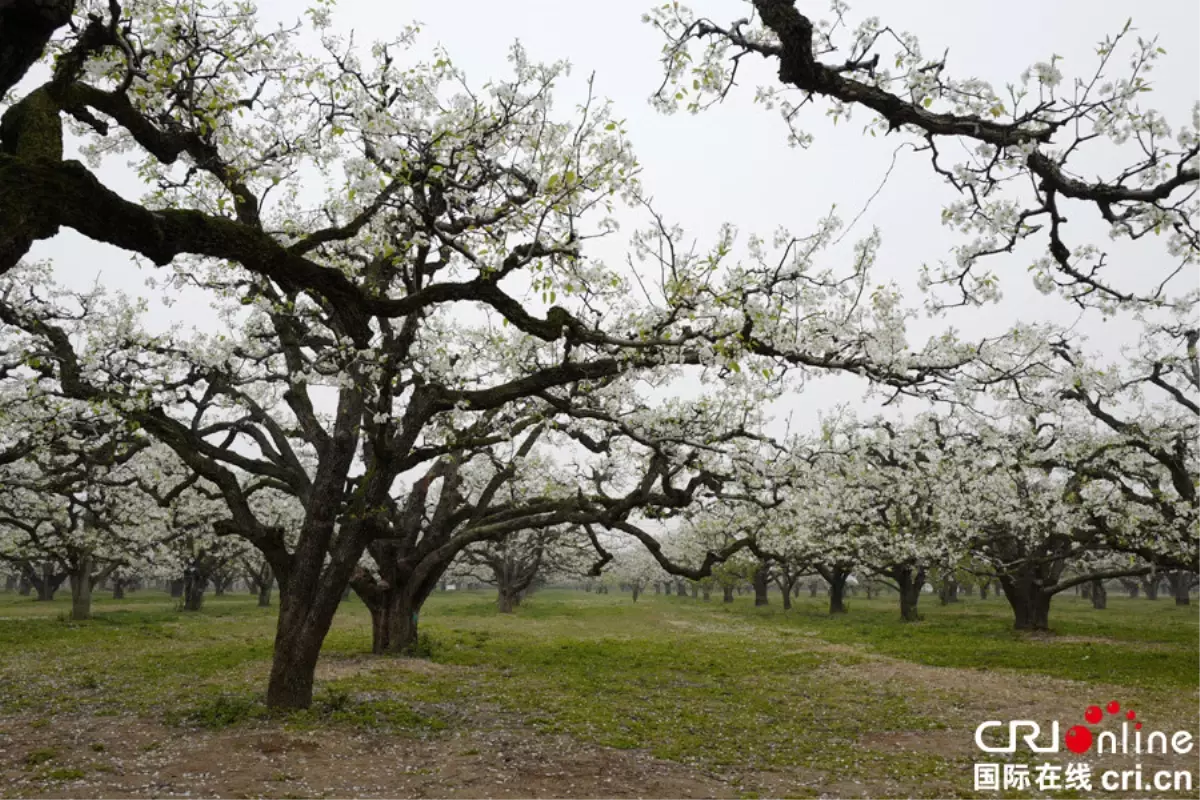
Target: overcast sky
{"x":732,"y":163}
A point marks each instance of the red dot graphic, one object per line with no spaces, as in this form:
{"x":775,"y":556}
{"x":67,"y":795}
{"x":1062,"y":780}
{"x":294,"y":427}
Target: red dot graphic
{"x":1138,"y":726}
{"x":1078,"y":739}
{"x":1130,"y":714}
{"x":1093,"y":714}
{"x":1114,"y":707}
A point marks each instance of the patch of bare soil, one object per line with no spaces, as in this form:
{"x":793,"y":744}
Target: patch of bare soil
{"x":331,"y":668}
{"x":963,"y":698}
{"x":129,"y":757}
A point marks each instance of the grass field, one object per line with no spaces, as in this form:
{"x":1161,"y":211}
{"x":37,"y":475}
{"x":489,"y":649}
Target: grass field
{"x":575,"y":695}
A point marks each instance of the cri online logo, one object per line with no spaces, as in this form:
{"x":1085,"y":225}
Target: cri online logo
{"x":1080,"y":738}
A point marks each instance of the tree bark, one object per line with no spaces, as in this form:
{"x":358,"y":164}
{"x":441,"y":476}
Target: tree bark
{"x":26,"y":26}
{"x":294,"y":666}
{"x":1150,"y":586}
{"x":727,"y":594}
{"x":1099,"y":595}
{"x":910,"y":581}
{"x":1181,"y":586}
{"x":760,"y":581}
{"x":948,"y":591}
{"x":194,"y":584}
{"x":81,"y":589}
{"x":836,"y":577}
{"x":24,"y":587}
{"x":507,"y":600}
{"x":10,"y":582}
{"x":176,"y":588}
{"x":118,"y":590}
{"x":47,"y":583}
{"x":786,"y":583}
{"x":1030,"y":603}
{"x":705,"y":593}
{"x":264,"y":594}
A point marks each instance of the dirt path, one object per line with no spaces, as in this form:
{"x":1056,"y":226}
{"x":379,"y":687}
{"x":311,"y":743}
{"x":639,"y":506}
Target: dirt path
{"x":129,"y":757}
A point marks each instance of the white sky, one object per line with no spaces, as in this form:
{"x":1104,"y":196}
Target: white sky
{"x":732,"y":163}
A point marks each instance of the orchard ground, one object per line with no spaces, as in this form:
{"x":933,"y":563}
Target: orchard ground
{"x":575,"y":695}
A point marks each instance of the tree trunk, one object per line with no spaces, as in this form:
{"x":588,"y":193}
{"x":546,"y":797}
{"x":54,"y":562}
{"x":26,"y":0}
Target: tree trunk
{"x":760,"y":584}
{"x":194,"y":584}
{"x":657,"y":587}
{"x":1099,"y":595}
{"x":813,"y":588}
{"x":910,"y":581}
{"x":118,"y":588}
{"x":1181,"y":586}
{"x":394,"y":619}
{"x":1150,"y":586}
{"x":24,"y":587}
{"x":49,"y":583}
{"x":1030,"y":604}
{"x":706,"y":593}
{"x":293,"y":667}
{"x":507,"y":600}
{"x":836,"y":577}
{"x":695,"y":590}
{"x":637,"y":590}
{"x":10,"y":582}
{"x":983,"y":589}
{"x":727,"y":592}
{"x":264,"y":593}
{"x":81,"y":589}
{"x":176,"y":588}
{"x":948,"y":591}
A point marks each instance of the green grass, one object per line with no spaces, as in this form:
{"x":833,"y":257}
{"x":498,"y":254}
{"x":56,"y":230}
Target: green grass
{"x":1136,"y":642}
{"x":719,"y":686}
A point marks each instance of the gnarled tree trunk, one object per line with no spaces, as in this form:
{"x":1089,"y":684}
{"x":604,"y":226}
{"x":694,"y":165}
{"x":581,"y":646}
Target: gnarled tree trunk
{"x":836,"y":577}
{"x":507,"y":600}
{"x":760,"y":581}
{"x":910,"y":581}
{"x":1029,"y":601}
